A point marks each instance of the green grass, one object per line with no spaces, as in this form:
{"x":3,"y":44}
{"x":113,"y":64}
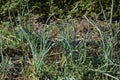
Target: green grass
{"x":66,"y":58}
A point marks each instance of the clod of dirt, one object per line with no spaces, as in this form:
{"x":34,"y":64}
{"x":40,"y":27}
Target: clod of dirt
{"x":11,"y":52}
{"x":118,"y":36}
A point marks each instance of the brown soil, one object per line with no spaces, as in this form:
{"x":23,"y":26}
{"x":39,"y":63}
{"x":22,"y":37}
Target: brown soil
{"x":82,"y":27}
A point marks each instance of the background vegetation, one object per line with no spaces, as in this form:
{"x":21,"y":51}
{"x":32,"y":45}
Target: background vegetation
{"x":61,"y":8}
